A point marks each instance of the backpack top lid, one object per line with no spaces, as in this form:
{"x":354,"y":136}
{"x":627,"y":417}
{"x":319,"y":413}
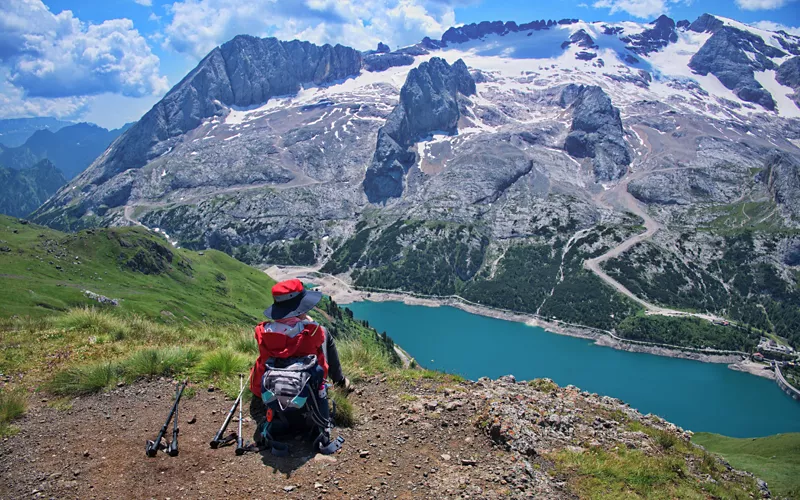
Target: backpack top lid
{"x":289,"y":338}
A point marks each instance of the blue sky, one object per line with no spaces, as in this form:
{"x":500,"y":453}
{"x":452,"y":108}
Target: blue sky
{"x":109,"y":61}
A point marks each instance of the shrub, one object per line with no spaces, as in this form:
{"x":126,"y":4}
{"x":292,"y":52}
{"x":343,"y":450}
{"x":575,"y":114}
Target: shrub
{"x":84,"y":379}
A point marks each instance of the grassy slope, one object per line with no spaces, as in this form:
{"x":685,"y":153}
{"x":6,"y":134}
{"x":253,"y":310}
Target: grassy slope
{"x":775,"y":459}
{"x":131,"y":264}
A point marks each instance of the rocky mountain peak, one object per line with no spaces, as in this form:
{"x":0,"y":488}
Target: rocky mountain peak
{"x":706,"y":23}
{"x":596,"y":131}
{"x":428,"y":103}
{"x":732,"y":55}
{"x":650,"y":40}
{"x":242,"y":72}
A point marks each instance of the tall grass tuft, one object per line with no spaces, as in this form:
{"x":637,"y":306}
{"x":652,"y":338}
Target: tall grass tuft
{"x":222,"y":363}
{"x":345,"y":415}
{"x":155,"y":362}
{"x":362,"y":357}
{"x":12,"y":405}
{"x":93,"y":320}
{"x":86,"y":379}
{"x":245,"y":343}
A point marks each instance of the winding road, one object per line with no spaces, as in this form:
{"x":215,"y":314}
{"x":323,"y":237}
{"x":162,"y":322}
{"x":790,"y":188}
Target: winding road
{"x":619,"y":197}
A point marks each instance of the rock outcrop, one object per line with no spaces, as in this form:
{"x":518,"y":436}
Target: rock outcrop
{"x":428,"y":103}
{"x":242,"y":72}
{"x":656,"y":38}
{"x":789,"y":74}
{"x":382,"y":62}
{"x":596,"y":131}
{"x":732,"y":55}
{"x":580,"y":38}
{"x":782,"y":177}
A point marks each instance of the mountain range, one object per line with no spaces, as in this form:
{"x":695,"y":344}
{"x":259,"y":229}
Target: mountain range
{"x":71,"y":148}
{"x":15,"y":131}
{"x":587,"y":172}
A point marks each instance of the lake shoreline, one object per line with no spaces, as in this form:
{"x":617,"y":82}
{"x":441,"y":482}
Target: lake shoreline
{"x":343,"y":293}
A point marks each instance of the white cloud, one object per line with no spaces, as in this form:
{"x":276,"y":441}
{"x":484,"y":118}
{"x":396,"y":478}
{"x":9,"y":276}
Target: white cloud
{"x":761,"y":4}
{"x":154,"y":17}
{"x":638,"y":8}
{"x":197,"y":26}
{"x":644,"y":9}
{"x":773,"y":26}
{"x":14,"y":104}
{"x":146,"y":3}
{"x":56,"y":56}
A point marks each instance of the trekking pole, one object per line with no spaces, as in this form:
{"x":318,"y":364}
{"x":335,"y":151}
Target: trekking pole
{"x":239,"y":440}
{"x":218,"y":439}
{"x":172,"y":446}
{"x":153,"y":446}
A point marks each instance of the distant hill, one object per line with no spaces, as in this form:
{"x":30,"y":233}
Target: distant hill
{"x":47,"y":271}
{"x":22,"y":191}
{"x":15,"y":131}
{"x":775,"y":459}
{"x":71,"y":148}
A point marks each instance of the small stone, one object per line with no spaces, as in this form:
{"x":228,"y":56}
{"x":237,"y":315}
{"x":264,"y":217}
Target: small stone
{"x":192,"y":420}
{"x":445,"y":456}
{"x":468,"y":461}
{"x":120,"y":384}
{"x":210,"y":388}
{"x":287,"y":489}
{"x":86,"y":453}
{"x":363,"y":454}
{"x":317,"y":485}
{"x":76,"y":473}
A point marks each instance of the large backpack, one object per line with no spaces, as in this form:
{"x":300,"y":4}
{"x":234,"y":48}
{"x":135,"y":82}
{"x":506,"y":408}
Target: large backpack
{"x":294,"y":392}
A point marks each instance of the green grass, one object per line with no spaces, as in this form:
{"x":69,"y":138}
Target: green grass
{"x":629,"y":474}
{"x":362,"y":357}
{"x":224,"y":363}
{"x":86,"y":379}
{"x":345,"y":413}
{"x":41,"y":275}
{"x":775,"y":459}
{"x":12,"y":406}
{"x":153,"y":362}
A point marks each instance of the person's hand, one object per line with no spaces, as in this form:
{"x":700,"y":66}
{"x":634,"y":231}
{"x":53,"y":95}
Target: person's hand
{"x":344,"y":384}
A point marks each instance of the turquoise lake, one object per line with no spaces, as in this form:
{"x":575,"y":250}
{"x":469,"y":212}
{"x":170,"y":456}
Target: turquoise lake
{"x":694,"y":395}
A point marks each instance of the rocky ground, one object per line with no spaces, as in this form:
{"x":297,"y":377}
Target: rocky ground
{"x":415,"y":437}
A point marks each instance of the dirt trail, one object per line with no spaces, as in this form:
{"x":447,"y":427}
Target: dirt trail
{"x":96,"y":450}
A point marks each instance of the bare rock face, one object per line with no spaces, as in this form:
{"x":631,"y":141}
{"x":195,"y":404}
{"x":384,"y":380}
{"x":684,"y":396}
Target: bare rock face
{"x":732,"y":55}
{"x":242,"y":72}
{"x":596,"y":131}
{"x":789,"y":74}
{"x":783,"y":181}
{"x":382,"y":62}
{"x":428,"y":103}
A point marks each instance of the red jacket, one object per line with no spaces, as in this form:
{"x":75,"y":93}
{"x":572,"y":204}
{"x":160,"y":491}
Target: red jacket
{"x":285,"y":339}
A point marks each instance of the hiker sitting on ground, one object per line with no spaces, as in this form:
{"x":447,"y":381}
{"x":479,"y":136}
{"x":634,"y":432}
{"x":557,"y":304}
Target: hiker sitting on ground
{"x":285,"y":343}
